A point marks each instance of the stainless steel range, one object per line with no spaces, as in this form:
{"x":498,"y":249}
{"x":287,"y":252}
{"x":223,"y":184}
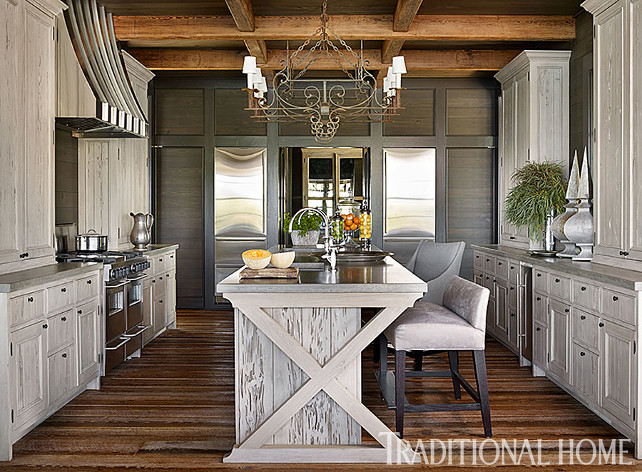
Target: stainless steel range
{"x":122,"y":302}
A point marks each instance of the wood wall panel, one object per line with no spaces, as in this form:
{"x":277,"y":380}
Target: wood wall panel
{"x":471,"y":112}
{"x":66,"y":178}
{"x":179,"y":112}
{"x":231,"y":118}
{"x":179,"y":210}
{"x":417,"y":117}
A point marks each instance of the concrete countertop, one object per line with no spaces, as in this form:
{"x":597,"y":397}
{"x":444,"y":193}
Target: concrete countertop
{"x":624,"y":278}
{"x":153,"y":249}
{"x":43,"y":275}
{"x":384,"y":277}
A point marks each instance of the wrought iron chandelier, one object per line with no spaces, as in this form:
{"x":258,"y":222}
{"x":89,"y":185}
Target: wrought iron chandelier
{"x":324,"y":103}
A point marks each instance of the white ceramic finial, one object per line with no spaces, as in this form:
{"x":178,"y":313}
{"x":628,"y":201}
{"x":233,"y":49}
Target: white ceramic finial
{"x":583,"y":188}
{"x":573,"y":181}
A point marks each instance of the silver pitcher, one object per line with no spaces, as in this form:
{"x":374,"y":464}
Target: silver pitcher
{"x":141,"y":232}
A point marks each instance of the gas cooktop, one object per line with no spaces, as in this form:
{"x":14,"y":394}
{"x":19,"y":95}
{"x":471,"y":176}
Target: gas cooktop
{"x":107,"y":257}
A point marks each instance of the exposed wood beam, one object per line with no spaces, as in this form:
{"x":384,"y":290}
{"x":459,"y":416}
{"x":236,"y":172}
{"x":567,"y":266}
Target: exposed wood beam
{"x":243,"y":16}
{"x":416,"y":60}
{"x":391,"y":48}
{"x":405,"y":13}
{"x":356,"y":27}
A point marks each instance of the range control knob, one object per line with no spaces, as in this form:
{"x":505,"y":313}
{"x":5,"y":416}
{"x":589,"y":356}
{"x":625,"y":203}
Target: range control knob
{"x":112,"y":274}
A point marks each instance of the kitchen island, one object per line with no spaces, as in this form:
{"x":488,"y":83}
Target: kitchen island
{"x":298,"y":345}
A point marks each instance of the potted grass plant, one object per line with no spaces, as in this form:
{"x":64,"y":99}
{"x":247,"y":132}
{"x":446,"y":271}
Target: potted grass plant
{"x":538,"y":195}
{"x":305,"y":230}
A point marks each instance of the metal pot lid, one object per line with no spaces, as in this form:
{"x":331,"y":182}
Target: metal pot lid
{"x":92,"y":232}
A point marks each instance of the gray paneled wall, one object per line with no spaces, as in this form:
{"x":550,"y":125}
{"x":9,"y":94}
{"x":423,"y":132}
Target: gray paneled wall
{"x":66,"y":178}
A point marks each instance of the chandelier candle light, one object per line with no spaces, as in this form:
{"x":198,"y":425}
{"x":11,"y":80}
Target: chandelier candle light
{"x":323,"y":102}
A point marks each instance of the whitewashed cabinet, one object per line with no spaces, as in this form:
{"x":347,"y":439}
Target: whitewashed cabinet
{"x":617,"y":67}
{"x":148,"y":311}
{"x":159,"y":292}
{"x":27,"y":61}
{"x":618,"y":371}
{"x":559,"y":339}
{"x":61,"y":373}
{"x":88,"y":345}
{"x":534,"y":123}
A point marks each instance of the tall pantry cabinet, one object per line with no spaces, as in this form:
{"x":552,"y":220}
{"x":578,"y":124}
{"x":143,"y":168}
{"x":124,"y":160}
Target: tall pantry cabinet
{"x":617,"y":177}
{"x":27,"y":61}
{"x":534,"y":121}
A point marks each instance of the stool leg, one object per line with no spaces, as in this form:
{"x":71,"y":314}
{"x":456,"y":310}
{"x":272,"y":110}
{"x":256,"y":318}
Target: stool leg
{"x":383,"y":356}
{"x":453,"y":359}
{"x":419,"y":360}
{"x":479,"y":359}
{"x":400,"y":389}
{"x":376,"y":356}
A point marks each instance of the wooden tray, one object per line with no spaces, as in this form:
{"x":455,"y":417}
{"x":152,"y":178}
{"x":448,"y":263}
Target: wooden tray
{"x":270,"y":273}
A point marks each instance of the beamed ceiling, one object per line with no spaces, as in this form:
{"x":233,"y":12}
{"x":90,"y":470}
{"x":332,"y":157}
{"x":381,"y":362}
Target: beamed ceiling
{"x":438,"y":38}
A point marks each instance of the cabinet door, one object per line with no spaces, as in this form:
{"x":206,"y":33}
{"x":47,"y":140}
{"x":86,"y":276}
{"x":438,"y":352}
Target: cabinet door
{"x":635,"y":162}
{"x":93,"y":187}
{"x":508,"y":159}
{"x":39,"y":110}
{"x":88,"y":341}
{"x":148,"y":311}
{"x":618,"y":371}
{"x":160,"y":314}
{"x":586,"y":372}
{"x":12,"y":139}
{"x":559,"y":333}
{"x":28,"y":373}
{"x":62,"y":375}
{"x":170,"y":292}
{"x":501,"y":312}
{"x":513,"y":327}
{"x":609,"y":129}
{"x":540,"y":345}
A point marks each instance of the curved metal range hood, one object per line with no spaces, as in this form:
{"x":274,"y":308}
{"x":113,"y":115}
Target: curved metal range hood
{"x":118,"y":113}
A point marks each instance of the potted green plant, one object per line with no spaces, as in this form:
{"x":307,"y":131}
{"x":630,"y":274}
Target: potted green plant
{"x":305,"y":230}
{"x":538,"y":195}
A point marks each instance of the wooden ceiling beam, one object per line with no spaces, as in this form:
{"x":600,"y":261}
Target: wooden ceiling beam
{"x":350,"y":27}
{"x":243,"y":16}
{"x":405,"y":14}
{"x":416,"y":60}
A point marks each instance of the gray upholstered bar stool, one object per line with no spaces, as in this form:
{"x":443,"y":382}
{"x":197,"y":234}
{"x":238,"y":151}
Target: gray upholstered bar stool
{"x":457,"y":325}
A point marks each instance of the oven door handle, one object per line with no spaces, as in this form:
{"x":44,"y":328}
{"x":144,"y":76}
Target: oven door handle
{"x":134,"y":279}
{"x":141,"y":328}
{"x":122,"y":284}
{"x":124,"y":340}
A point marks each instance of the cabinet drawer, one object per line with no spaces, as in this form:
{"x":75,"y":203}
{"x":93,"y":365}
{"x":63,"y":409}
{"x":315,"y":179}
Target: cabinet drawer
{"x":478,"y":260}
{"x":512,"y":295}
{"x":540,"y":279}
{"x":489,"y":263}
{"x":87,"y":287}
{"x":159,"y":282}
{"x":60,"y":330}
{"x":489,"y":283}
{"x":60,"y":296}
{"x":586,"y":295}
{"x":618,"y":305}
{"x":170,"y":261}
{"x":585,"y":328}
{"x":61,"y":367}
{"x":560,"y":287}
{"x":27,"y":307}
{"x":585,"y":375}
{"x":513,"y":272}
{"x":540,"y":308}
{"x":501,"y":268}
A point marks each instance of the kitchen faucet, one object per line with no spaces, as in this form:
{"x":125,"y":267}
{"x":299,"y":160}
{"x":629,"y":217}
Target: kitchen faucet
{"x":328,"y":243}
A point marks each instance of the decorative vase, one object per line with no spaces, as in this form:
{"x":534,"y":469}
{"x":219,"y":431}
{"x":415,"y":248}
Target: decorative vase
{"x":309,"y":239}
{"x":579,"y":227}
{"x":559,"y":223}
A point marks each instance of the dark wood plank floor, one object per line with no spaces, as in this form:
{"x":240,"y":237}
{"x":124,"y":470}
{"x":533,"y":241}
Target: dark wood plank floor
{"x":173,"y":409}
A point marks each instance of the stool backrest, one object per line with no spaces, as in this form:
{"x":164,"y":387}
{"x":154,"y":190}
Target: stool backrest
{"x":436,"y":263}
{"x":468,"y":300}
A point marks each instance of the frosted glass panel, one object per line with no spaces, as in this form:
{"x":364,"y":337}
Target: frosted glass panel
{"x":239,"y":191}
{"x":409,"y":192}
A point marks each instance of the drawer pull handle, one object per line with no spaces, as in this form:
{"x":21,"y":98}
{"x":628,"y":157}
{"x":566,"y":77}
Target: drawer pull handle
{"x":30,"y":299}
{"x":539,"y":275}
{"x":582,"y":353}
{"x":539,"y":299}
{"x":512,"y":237}
{"x":161,"y":278}
{"x":499,"y":263}
{"x":80,"y":312}
{"x":63,"y":290}
{"x":566,"y":310}
{"x":538,"y":329}
{"x":64,"y":355}
{"x":512,"y":267}
{"x":512,"y":315}
{"x":583,"y":289}
{"x":557,"y":281}
{"x":512,"y":288}
{"x":476,"y":257}
{"x":160,"y":260}
{"x":160,"y":301}
{"x":583,"y":317}
{"x":171,"y":257}
{"x":45,"y":326}
{"x":64,"y":318}
{"x":615,"y":298}
{"x":89,"y":282}
{"x":624,"y":253}
{"x":601,"y":325}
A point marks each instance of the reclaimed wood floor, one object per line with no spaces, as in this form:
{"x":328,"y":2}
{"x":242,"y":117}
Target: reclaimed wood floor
{"x":173,"y":409}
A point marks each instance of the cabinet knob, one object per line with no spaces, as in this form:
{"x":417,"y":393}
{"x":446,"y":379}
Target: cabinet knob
{"x":582,"y":353}
{"x":557,"y":281}
{"x":499,"y":263}
{"x":539,"y":299}
{"x":30,"y":299}
{"x":583,"y":317}
{"x":45,"y":326}
{"x":80,"y":312}
{"x":512,"y":315}
{"x":601,"y":325}
{"x":539,"y":275}
{"x":89,"y":282}
{"x":171,"y":257}
{"x":63,"y":290}
{"x":624,"y":253}
{"x":64,"y":355}
{"x":160,"y":301}
{"x":512,"y":288}
{"x":160,"y":260}
{"x":476,"y":257}
{"x":64,"y":318}
{"x":538,"y":329}
{"x":583,"y":289}
{"x":615,"y":298}
{"x":160,"y":278}
{"x":566,"y":310}
{"x":153,"y":281}
{"x":512,"y":267}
